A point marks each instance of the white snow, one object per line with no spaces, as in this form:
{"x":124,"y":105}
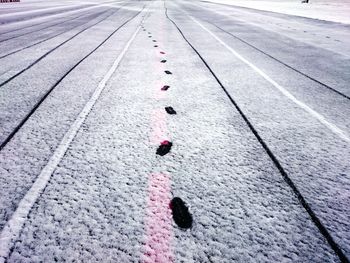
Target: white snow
{"x":328,"y":10}
{"x":92,"y":144}
{"x":12,"y":229}
{"x":339,"y":132}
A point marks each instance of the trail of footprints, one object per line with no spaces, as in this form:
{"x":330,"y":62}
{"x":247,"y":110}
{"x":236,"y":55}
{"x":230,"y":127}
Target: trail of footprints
{"x":180,"y":211}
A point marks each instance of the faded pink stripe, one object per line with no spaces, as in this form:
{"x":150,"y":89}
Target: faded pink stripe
{"x":158,"y":125}
{"x":158,"y":220}
{"x":157,"y":93}
{"x":157,"y":247}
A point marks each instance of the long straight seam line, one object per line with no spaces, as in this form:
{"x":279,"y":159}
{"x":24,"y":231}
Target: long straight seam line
{"x":323,"y":230}
{"x":53,"y":16}
{"x":268,"y":55}
{"x":251,"y":23}
{"x":85,"y":14}
{"x":13,"y":227}
{"x":279,"y":61}
{"x":24,"y":120}
{"x":336,"y":130}
{"x":47,"y":14}
{"x":55,"y":48}
{"x":65,"y":20}
{"x":54,"y":36}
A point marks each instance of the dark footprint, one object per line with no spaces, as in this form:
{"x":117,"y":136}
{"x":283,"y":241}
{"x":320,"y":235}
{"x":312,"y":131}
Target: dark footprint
{"x":155,"y":46}
{"x":164,"y":148}
{"x":170,"y":110}
{"x":163,"y":61}
{"x":181,"y":215}
{"x":165,"y":87}
{"x":168,"y":72}
{"x":149,"y":36}
{"x":161,"y":52}
{"x":154,"y":40}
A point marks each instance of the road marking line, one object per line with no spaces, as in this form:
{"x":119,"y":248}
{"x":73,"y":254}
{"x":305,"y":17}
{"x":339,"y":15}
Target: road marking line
{"x":157,"y":246}
{"x":159,"y":234}
{"x":11,"y":231}
{"x":286,"y":93}
{"x":159,"y":131}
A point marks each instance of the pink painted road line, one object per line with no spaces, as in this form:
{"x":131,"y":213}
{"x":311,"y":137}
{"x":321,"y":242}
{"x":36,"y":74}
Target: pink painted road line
{"x":157,"y":93}
{"x":158,"y":131}
{"x":157,"y":248}
{"x":158,"y":219}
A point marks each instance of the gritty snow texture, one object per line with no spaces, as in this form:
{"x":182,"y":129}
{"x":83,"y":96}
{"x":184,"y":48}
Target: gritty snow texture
{"x":94,"y":208}
{"x":63,"y":108}
{"x":328,"y":10}
{"x":304,"y":146}
{"x":108,"y":199}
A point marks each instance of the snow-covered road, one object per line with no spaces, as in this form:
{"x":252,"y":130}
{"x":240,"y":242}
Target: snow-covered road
{"x":259,"y":127}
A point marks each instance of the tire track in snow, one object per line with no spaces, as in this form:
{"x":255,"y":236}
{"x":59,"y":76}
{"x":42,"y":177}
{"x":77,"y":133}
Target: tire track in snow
{"x":11,"y":231}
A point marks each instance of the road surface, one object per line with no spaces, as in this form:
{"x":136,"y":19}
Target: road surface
{"x":260,"y":148}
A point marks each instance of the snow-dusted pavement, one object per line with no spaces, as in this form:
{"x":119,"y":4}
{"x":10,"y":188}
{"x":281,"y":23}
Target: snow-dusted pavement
{"x":260,"y":139}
